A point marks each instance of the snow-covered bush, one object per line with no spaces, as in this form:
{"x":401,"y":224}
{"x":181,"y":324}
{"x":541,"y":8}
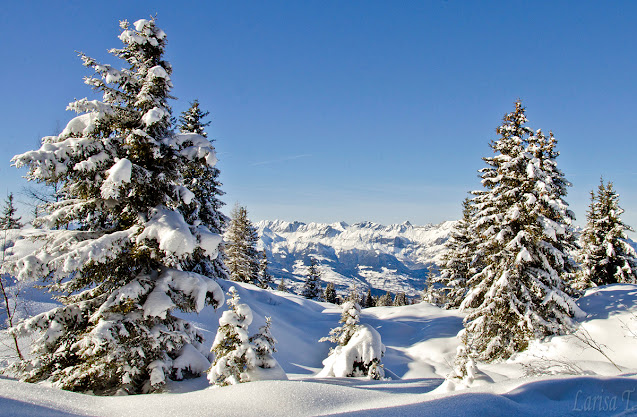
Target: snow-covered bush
{"x":117,"y":238}
{"x":234,"y":355}
{"x":266,"y":367}
{"x":464,"y":369}
{"x":359,"y":347}
{"x":263,"y":343}
{"x":239,"y":358}
{"x":360,"y":356}
{"x":464,"y":374}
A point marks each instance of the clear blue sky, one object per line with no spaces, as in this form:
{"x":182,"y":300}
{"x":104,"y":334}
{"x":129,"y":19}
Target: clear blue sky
{"x":352,"y":110}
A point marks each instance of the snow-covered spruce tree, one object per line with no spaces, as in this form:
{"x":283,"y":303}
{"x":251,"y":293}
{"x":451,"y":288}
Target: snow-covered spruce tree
{"x":369,"y":301}
{"x":264,"y":343}
{"x":242,"y":258}
{"x":358,"y":350}
{"x":350,"y":318}
{"x":234,"y":355}
{"x":605,"y":256}
{"x":433,"y":292}
{"x":312,"y":286}
{"x":203,"y":181}
{"x":464,"y":369}
{"x":329,"y":295}
{"x":265,"y":279}
{"x":458,"y":261}
{"x":266,"y":367}
{"x":191,"y":120}
{"x":385,"y":300}
{"x":353,"y":294}
{"x":282,"y":286}
{"x":116,"y":268}
{"x":523,"y":223}
{"x":400,"y":299}
{"x":8,"y":219}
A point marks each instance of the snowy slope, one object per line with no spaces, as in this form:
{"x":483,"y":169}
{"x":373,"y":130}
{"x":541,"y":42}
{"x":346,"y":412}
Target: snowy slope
{"x":559,"y":376}
{"x":384,"y":258}
{"x":554,"y":397}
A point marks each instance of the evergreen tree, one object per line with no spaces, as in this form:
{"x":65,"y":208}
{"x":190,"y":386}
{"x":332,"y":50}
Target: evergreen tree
{"x":119,"y":167}
{"x":234,"y":355}
{"x":369,"y":300}
{"x":8,"y":220}
{"x":265,"y":279}
{"x":463,"y":372}
{"x":263,"y":345}
{"x":241,"y":247}
{"x":523,"y":224}
{"x":433,"y":292}
{"x":350,"y":318}
{"x":282,"y":286}
{"x":400,"y":299}
{"x":203,"y":181}
{"x":358,"y":350}
{"x":605,"y":256}
{"x":457,"y":262}
{"x":385,"y":300}
{"x":353,"y":294}
{"x":312,"y":287}
{"x":191,"y":120}
{"x":330,"y":293}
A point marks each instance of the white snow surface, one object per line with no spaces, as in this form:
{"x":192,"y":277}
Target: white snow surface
{"x":555,"y":377}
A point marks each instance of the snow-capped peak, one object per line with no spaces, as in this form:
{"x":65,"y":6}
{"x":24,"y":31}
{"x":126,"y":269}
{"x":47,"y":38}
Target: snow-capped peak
{"x":383,"y":258}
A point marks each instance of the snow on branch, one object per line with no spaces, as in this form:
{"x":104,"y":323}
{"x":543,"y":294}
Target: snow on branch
{"x":193,"y":147}
{"x":66,"y":251}
{"x":118,"y":174}
{"x":53,"y":157}
{"x":170,"y":230}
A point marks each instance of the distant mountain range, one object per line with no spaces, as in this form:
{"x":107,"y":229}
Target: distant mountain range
{"x":393,"y":258}
{"x":369,"y":255}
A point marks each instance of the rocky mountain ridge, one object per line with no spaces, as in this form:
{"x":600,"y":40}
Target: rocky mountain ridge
{"x":382,"y":258}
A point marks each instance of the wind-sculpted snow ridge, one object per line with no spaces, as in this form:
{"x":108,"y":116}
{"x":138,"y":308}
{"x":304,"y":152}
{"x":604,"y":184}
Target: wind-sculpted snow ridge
{"x":382,"y":258}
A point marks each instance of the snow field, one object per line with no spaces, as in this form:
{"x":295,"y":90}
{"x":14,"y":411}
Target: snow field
{"x":421,"y":343}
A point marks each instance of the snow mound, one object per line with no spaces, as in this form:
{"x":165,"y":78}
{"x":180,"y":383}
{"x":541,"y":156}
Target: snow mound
{"x":362,"y":352}
{"x":420,"y":344}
